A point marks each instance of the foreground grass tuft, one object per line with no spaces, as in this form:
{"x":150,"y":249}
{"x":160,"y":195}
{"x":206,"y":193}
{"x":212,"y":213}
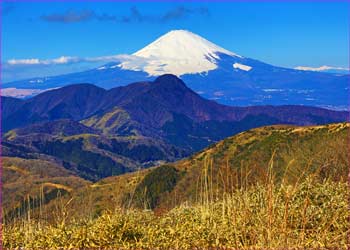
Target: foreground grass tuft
{"x":305,"y":215}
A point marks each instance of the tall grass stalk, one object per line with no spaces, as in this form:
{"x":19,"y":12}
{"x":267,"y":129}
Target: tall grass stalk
{"x":306,"y":214}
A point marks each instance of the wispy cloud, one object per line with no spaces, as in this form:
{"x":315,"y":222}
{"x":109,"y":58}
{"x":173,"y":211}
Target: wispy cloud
{"x":69,"y":16}
{"x":135,"y":15}
{"x":16,"y":69}
{"x":36,"y":61}
{"x":321,"y":68}
{"x":182,"y":12}
{"x":176,"y":13}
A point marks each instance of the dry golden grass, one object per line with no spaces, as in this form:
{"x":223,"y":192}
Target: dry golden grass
{"x":290,"y":206}
{"x":16,"y":169}
{"x":306,"y":215}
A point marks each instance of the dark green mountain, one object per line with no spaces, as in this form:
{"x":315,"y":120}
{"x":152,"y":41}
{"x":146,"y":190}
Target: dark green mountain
{"x":85,"y":151}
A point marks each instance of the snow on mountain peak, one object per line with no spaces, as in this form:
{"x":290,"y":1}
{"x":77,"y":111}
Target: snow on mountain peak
{"x":180,"y":44}
{"x":241,"y":66}
{"x":177,"y":52}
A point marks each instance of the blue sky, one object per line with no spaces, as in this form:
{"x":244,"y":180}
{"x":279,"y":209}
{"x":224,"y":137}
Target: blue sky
{"x":284,"y":34}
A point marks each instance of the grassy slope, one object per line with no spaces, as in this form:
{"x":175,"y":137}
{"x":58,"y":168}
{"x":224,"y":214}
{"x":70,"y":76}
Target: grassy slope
{"x":116,"y":121}
{"x":277,"y":186}
{"x":292,"y":152}
{"x":309,"y":215}
{"x":238,"y":161}
{"x":36,"y":181}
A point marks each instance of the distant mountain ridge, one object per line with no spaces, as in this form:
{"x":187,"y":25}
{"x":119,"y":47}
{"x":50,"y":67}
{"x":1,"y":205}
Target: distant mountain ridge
{"x":152,"y":103}
{"x":97,"y":133}
{"x":212,"y":71}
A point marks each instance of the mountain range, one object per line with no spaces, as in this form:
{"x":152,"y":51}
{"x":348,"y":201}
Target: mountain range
{"x":98,"y":133}
{"x":213,"y":72}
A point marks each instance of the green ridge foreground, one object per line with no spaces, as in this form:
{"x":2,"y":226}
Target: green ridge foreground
{"x":274,"y":187}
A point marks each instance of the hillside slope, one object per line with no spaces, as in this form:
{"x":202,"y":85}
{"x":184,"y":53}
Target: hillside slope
{"x":34,"y":183}
{"x":283,"y":185}
{"x":289,"y":153}
{"x":85,"y":151}
{"x":282,"y":153}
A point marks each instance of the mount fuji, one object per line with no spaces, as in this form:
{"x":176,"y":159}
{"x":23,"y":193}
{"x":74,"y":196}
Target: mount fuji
{"x":211,"y":71}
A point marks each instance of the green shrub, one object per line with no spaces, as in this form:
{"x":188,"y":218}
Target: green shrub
{"x":157,"y":182}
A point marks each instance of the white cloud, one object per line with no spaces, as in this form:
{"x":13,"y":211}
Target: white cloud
{"x":68,"y":59}
{"x":20,"y":69}
{"x":23,"y":61}
{"x":62,"y":60}
{"x":36,"y":61}
{"x":321,"y":68}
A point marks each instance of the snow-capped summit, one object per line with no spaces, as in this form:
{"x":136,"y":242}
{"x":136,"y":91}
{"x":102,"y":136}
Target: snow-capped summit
{"x":177,"y":52}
